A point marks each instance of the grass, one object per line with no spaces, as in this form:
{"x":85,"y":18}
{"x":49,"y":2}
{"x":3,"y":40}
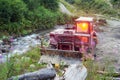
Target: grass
{"x":68,"y":6}
{"x":75,"y":9}
{"x":93,"y":68}
{"x":28,"y":62}
{"x":20,"y":64}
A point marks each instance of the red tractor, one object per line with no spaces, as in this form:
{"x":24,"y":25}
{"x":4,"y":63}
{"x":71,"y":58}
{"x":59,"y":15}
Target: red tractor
{"x":73,"y":41}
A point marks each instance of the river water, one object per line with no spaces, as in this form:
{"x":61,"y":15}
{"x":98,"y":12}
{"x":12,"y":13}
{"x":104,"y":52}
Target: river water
{"x":21,"y":45}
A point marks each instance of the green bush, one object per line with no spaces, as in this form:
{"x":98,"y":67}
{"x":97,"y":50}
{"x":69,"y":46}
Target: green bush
{"x":24,"y":16}
{"x":11,"y":11}
{"x":20,"y":64}
{"x":70,"y":1}
{"x":63,"y":18}
{"x":32,"y":4}
{"x":115,"y":3}
{"x":96,"y":6}
{"x":50,"y":4}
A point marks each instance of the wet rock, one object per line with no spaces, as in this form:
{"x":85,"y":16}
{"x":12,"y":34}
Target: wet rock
{"x":5,"y":48}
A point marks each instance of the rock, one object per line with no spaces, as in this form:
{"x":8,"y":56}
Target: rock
{"x":76,"y":72}
{"x":43,"y":74}
{"x":101,"y":22}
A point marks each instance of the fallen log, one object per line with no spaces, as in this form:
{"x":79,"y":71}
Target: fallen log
{"x":42,"y":74}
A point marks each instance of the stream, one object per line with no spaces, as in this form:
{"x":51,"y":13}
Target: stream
{"x":21,"y":45}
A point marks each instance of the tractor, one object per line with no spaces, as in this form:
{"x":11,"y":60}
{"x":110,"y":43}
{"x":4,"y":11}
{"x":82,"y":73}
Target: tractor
{"x":73,"y":41}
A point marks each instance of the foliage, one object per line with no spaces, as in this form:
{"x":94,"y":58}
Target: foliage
{"x":95,"y":6}
{"x":46,"y":19}
{"x":70,"y":1}
{"x":116,"y":3}
{"x":68,"y":5}
{"x":19,"y":64}
{"x":63,"y":18}
{"x":50,"y":4}
{"x":11,"y":11}
{"x":25,"y":16}
{"x":32,"y":4}
{"x":93,"y":68}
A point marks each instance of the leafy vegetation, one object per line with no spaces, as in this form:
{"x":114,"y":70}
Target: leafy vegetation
{"x":97,"y":6}
{"x":11,"y":11}
{"x":93,"y":69}
{"x":25,"y":16}
{"x":116,"y":3}
{"x":20,"y":64}
{"x":68,"y":6}
{"x":70,"y":1}
{"x":50,"y":4}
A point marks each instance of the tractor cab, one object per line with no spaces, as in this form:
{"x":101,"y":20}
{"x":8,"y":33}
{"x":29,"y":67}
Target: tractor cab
{"x":84,"y":31}
{"x":84,"y":25}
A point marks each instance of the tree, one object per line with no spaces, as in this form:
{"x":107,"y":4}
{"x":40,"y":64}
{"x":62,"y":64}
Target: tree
{"x":50,"y":4}
{"x":18,"y":8}
{"x":32,"y":4}
{"x":11,"y":11}
{"x":5,"y":11}
{"x":70,"y":1}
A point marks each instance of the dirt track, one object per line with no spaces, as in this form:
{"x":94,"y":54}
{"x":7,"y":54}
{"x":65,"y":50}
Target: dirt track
{"x":108,"y":49}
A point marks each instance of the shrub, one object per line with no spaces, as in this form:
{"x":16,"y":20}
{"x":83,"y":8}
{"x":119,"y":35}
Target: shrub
{"x":96,"y":6}
{"x":11,"y":11}
{"x":70,"y":1}
{"x":24,"y":16}
{"x":115,"y":3}
{"x":50,"y":4}
{"x":19,"y":64}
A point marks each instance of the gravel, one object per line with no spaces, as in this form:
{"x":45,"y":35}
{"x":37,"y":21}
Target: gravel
{"x":108,"y":49}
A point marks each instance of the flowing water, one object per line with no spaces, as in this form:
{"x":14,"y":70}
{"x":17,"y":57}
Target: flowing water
{"x":21,"y":45}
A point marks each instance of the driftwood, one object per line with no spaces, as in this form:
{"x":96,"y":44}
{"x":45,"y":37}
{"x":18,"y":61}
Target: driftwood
{"x":114,"y":74}
{"x":43,"y":74}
